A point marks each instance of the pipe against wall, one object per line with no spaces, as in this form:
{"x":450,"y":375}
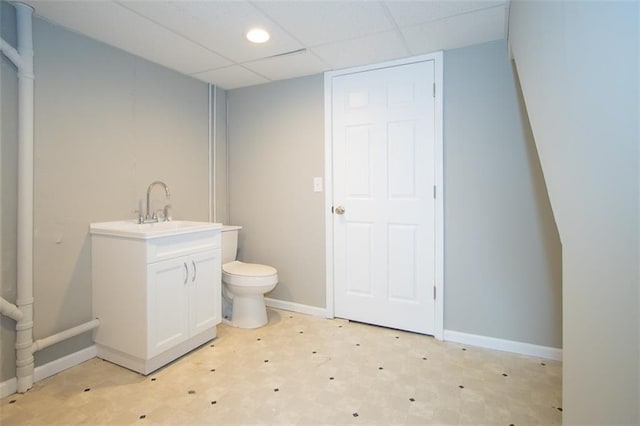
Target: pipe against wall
{"x":22,"y":57}
{"x":12,"y":54}
{"x":10,"y":310}
{"x":24,"y":328}
{"x":40,"y":344}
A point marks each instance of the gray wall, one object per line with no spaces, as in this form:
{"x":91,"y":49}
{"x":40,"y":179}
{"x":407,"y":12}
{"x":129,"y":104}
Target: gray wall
{"x":503,"y":272}
{"x":276,"y":143}
{"x":578,"y":67}
{"x":107,"y":124}
{"x":8,"y":188}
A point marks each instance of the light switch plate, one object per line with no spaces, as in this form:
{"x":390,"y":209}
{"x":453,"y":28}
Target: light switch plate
{"x":317,"y":184}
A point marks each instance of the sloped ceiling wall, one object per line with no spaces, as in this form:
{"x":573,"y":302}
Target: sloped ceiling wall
{"x":578,"y":68}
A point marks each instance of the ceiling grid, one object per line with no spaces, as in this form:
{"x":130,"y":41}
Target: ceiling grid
{"x":206,"y":39}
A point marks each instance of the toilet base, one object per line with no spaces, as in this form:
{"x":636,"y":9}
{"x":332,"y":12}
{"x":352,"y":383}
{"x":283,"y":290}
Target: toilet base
{"x":249,"y":311}
{"x":226,"y":308}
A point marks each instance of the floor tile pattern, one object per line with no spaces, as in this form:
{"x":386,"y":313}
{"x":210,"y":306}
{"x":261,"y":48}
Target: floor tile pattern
{"x":304,"y":370}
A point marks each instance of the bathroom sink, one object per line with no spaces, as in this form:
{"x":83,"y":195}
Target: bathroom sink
{"x":145,"y":231}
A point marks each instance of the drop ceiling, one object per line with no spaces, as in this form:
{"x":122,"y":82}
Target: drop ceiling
{"x":206,"y":39}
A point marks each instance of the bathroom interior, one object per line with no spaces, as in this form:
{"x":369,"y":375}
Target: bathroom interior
{"x":525,"y":219}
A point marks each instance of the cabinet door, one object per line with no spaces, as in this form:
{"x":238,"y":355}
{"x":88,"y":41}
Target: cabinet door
{"x":205,"y":294}
{"x":167,"y":304}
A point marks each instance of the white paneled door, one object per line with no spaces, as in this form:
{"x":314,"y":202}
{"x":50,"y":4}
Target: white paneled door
{"x":383,"y":144}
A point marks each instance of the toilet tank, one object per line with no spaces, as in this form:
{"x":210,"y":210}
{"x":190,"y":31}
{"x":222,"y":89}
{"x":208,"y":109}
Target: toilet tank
{"x":229,"y":243}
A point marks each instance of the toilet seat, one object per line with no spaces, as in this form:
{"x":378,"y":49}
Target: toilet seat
{"x":248,"y":274}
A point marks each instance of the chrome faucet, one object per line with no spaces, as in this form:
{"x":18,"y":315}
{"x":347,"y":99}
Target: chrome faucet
{"x":153,"y":217}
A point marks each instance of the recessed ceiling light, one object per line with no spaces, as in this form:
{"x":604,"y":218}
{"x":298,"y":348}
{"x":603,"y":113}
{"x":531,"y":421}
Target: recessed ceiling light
{"x":258,"y":35}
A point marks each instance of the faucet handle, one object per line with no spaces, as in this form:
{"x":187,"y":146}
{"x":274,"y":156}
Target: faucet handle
{"x":167,"y":213}
{"x":140,"y":217}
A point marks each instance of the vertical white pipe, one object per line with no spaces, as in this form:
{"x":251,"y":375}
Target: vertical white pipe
{"x":22,"y":312}
{"x":215,"y":156}
{"x":226,"y":159}
{"x":24,"y":327}
{"x":210,"y":160}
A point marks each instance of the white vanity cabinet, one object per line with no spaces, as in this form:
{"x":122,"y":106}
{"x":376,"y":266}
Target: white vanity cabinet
{"x":157,"y":297}
{"x":182,"y":299}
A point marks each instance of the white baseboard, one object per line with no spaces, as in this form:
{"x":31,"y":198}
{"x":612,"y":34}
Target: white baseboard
{"x":503,"y":345}
{"x":61,"y":364}
{"x":295,"y":307}
{"x":10,"y":386}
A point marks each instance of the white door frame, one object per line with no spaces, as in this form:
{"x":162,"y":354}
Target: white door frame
{"x":437,"y":57}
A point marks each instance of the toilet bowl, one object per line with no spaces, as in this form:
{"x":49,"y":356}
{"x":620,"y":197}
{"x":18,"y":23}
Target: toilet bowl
{"x":244,"y":284}
{"x":247,"y":283}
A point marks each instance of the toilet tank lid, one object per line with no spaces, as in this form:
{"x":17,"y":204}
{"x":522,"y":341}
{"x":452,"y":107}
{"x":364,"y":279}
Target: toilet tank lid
{"x":248,"y":269}
{"x":231,"y":228}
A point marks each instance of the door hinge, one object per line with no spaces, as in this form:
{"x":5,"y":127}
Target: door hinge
{"x":434,"y":191}
{"x":434,"y":90}
{"x":434,"y":292}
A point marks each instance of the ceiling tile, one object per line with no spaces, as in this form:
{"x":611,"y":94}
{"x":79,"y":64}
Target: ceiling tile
{"x":231,"y":77}
{"x":288,"y":66}
{"x":320,"y":22}
{"x":362,"y":51}
{"x":205,"y":39}
{"x":114,"y":25}
{"x":459,"y":31}
{"x":408,"y":13}
{"x":218,"y":25}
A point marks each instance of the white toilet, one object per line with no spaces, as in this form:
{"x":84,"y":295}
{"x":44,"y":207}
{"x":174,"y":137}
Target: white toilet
{"x":243,"y":285}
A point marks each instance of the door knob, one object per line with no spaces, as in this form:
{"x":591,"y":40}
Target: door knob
{"x":339,"y":210}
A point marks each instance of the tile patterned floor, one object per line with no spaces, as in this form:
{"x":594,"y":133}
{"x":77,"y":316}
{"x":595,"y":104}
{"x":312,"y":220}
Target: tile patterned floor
{"x":304,"y":370}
